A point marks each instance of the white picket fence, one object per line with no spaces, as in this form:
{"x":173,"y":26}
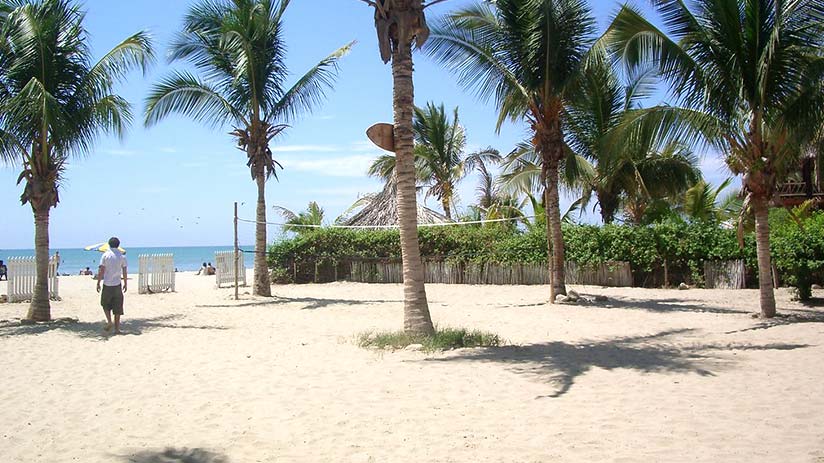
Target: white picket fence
{"x":225,"y":268}
{"x":156,"y":273}
{"x":22,"y":275}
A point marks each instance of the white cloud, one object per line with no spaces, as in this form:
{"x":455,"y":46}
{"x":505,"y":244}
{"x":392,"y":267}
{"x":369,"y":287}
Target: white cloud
{"x":363,"y":145}
{"x":713,"y":164}
{"x":343,"y":191}
{"x":119,"y":152}
{"x":343,"y":166}
{"x":304,"y":148}
{"x":168,"y":149}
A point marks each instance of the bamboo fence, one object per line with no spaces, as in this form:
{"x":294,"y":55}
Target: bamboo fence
{"x":729,"y":274}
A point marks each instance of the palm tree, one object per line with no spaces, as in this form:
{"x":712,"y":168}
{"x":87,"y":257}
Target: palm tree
{"x":704,"y":203}
{"x":751,"y":71}
{"x":528,"y":54}
{"x":440,"y":162}
{"x":522,"y":175}
{"x":303,"y":221}
{"x":440,"y":147}
{"x":238,"y":47}
{"x":628,"y":171}
{"x":493,"y":202}
{"x":653,"y":176}
{"x":399,"y":23}
{"x":55,"y":102}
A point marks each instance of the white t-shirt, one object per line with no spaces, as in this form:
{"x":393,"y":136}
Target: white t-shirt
{"x":113,"y":261}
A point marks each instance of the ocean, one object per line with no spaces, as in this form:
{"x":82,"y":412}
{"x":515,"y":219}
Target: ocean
{"x":72,"y":261}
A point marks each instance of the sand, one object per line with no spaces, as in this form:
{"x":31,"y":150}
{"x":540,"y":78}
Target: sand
{"x":650,"y":375}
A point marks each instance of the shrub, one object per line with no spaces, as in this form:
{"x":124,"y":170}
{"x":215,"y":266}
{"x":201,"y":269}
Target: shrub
{"x":798,"y":252}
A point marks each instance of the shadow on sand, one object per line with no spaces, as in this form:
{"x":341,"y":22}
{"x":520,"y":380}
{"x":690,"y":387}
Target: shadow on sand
{"x":785,"y":318}
{"x":561,"y":363}
{"x":650,"y":305}
{"x":94,"y":330}
{"x":175,"y":455}
{"x":665,"y":305}
{"x":312,"y":303}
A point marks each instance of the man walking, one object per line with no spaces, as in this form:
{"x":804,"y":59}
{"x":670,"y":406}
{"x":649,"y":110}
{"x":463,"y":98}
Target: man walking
{"x":112,"y":269}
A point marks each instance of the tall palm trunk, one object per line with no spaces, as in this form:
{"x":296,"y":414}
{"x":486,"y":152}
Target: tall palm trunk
{"x":40,"y":308}
{"x":416,"y":318}
{"x":262,"y":286}
{"x":550,"y":145}
{"x":556,"y":238}
{"x":762,"y":241}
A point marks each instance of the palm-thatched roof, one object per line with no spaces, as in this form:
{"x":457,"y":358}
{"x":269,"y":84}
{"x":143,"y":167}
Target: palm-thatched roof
{"x":381,"y":210}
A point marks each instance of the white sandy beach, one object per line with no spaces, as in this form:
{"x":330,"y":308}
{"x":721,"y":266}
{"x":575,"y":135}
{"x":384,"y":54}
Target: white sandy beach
{"x":651,"y":375}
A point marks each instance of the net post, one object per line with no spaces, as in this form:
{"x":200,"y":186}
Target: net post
{"x":236,"y":255}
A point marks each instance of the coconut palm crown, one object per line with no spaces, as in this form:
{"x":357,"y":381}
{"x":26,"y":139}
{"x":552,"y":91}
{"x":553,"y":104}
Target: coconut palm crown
{"x":237,"y":47}
{"x":753,"y":74}
{"x":55,"y":102}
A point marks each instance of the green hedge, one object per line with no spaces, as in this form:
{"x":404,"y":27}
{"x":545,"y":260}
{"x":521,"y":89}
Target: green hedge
{"x":798,"y":252}
{"x":682,"y":245}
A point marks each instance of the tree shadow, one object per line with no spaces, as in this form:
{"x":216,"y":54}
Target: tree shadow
{"x":651,"y":305}
{"x":312,"y":303}
{"x":786,"y":318}
{"x":663,"y":306}
{"x":562,"y":363}
{"x":814,"y":302}
{"x":176,"y":455}
{"x":94,"y":330}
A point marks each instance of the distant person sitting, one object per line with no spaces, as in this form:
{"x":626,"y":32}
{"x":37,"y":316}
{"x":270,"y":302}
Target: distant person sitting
{"x":210,"y":270}
{"x":4,"y":271}
{"x":86,"y":272}
{"x":203,"y":270}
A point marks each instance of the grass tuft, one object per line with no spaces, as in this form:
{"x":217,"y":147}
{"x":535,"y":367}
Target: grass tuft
{"x":443,"y":339}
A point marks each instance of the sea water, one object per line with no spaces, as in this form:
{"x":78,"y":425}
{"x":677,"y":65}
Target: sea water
{"x":186,"y":258}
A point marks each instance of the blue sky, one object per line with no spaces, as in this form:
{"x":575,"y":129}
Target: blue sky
{"x":174,"y":184}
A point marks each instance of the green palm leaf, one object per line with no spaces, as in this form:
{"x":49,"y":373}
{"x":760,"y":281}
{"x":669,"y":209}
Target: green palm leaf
{"x":185,"y":94}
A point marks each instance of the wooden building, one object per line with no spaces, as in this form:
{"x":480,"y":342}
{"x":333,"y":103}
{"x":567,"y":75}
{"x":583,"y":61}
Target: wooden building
{"x":806,"y":184}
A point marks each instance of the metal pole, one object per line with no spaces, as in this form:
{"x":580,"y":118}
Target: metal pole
{"x":237,"y":256}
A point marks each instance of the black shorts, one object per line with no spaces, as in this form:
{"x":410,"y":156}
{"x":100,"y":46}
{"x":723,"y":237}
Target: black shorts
{"x":111,"y":298}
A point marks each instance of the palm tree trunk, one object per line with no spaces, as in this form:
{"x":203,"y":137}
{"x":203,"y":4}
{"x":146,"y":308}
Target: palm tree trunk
{"x":416,"y":318}
{"x":609,"y":204}
{"x":556,"y":238}
{"x":262,"y":286}
{"x":762,"y":242}
{"x":40,"y":308}
{"x":446,"y":208}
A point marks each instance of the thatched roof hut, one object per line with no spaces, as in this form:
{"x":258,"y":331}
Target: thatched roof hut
{"x":381,"y":210}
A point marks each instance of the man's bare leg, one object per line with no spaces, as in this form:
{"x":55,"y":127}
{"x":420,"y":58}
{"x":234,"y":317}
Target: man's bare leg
{"x":108,"y":319}
{"x":116,"y":324}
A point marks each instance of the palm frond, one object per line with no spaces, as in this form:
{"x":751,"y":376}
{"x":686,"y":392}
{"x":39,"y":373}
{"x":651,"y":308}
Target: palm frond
{"x":136,"y":52}
{"x":185,"y":94}
{"x":309,"y":91}
{"x":639,"y":43}
{"x":383,"y":167}
{"x":468,"y":42}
